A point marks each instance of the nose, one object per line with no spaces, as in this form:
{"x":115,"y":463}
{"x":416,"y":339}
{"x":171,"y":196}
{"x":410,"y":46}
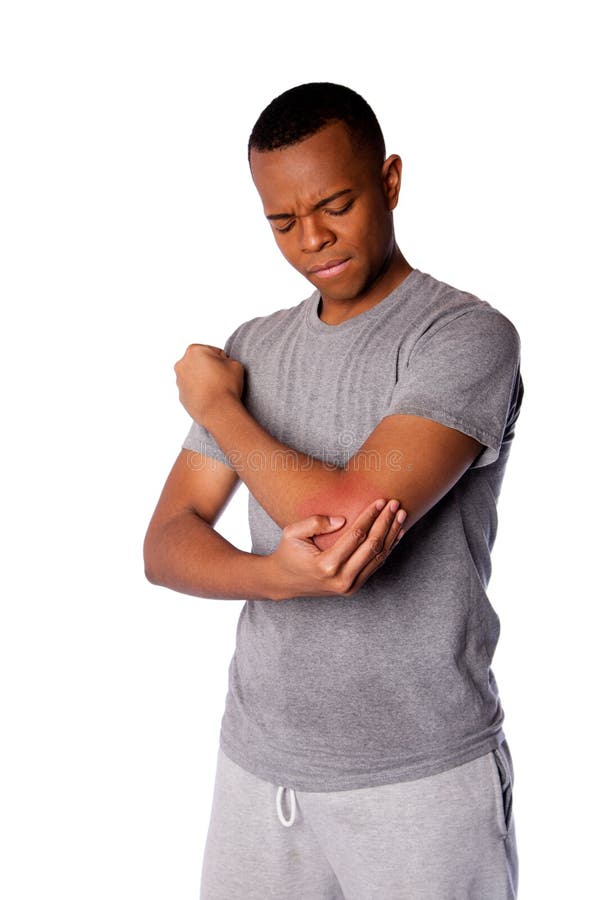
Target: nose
{"x":315,"y":234}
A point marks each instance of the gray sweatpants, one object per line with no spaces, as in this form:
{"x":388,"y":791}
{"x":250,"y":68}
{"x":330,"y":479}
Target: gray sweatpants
{"x":449,"y":836}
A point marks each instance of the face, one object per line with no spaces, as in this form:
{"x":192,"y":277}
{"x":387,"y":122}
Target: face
{"x":330,"y":209}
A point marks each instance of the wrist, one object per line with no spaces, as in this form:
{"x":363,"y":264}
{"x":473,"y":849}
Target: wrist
{"x":271,"y":578}
{"x":218,"y":410}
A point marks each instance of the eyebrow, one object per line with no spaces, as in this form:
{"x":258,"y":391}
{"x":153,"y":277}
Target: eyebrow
{"x":318,"y":205}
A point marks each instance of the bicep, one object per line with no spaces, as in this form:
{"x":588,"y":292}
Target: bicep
{"x":196,"y":483}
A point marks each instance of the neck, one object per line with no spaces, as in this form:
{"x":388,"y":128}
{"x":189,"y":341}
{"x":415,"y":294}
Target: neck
{"x":392,"y":273}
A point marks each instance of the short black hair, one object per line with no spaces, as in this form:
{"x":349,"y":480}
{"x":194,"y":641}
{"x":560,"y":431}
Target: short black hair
{"x":303,"y":110}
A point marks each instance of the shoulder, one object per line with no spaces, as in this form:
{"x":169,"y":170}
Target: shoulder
{"x":450,"y":314}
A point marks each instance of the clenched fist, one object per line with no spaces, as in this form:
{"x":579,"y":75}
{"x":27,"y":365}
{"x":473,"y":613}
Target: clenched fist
{"x":205,"y":376}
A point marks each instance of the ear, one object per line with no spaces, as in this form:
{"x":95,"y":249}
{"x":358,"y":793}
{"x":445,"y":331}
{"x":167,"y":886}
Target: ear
{"x":391,"y":177}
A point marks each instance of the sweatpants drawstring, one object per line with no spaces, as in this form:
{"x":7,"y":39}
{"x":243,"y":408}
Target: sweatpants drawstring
{"x":292,"y":818}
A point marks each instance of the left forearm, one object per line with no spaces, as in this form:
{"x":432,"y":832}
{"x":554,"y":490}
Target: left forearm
{"x":284,"y":481}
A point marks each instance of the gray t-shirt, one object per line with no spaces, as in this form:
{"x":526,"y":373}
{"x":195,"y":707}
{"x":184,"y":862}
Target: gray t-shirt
{"x":392,"y":683}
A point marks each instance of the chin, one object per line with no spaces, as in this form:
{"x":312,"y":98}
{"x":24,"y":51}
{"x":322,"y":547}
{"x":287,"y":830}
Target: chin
{"x":346,"y":291}
{"x":340,"y":288}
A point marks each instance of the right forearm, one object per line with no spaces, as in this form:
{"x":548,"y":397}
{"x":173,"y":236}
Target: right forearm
{"x":187,"y":555}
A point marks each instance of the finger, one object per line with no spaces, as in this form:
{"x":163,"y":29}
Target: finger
{"x":313,"y":525}
{"x":376,"y":563}
{"x":373,"y":552}
{"x":402,"y":530}
{"x":376,"y":546}
{"x":347,"y":543}
{"x":396,"y":541}
{"x":388,"y":523}
{"x":210,"y":347}
{"x":392,"y":536}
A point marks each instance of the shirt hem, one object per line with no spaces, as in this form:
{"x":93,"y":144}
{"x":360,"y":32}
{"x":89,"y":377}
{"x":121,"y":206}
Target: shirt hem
{"x":373,"y":778}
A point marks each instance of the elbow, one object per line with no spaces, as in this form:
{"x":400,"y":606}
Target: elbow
{"x":150,"y":560}
{"x":351,"y":498}
{"x":150,"y":575}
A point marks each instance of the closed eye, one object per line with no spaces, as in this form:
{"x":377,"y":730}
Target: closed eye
{"x":285,"y":228}
{"x":330,"y":212}
{"x":340,"y":212}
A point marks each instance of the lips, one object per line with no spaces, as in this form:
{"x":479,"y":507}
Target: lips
{"x":330,"y":268}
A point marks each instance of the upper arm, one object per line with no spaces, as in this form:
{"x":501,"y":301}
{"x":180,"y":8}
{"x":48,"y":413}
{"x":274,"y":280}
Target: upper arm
{"x":447,"y":411}
{"x":414,"y":459}
{"x":196,"y":483}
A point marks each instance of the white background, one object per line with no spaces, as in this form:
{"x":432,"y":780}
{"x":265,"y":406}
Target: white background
{"x":131,"y":228}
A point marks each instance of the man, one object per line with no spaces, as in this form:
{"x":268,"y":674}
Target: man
{"x":360,"y":692}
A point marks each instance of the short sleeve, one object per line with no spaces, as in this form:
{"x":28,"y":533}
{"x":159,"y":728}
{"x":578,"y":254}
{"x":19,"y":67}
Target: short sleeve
{"x":464,"y":374}
{"x":198,"y":438}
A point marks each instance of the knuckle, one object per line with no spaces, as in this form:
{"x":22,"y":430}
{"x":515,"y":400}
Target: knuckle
{"x":328,"y":568}
{"x":359,"y":533}
{"x":376,"y":546}
{"x":343,"y":586}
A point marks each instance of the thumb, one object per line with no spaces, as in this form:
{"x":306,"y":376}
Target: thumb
{"x":325,"y":524}
{"x":316,"y":524}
